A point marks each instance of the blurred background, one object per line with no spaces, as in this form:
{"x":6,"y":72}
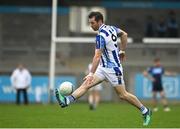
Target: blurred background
{"x":25,"y":36}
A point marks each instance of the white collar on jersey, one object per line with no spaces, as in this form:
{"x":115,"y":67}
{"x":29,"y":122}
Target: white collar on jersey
{"x":101,"y":27}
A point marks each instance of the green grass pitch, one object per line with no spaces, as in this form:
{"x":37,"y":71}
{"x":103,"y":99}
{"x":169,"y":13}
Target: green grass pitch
{"x":107,"y":115}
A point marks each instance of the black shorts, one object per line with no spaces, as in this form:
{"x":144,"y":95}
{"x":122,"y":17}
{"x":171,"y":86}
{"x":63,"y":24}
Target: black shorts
{"x":157,"y":87}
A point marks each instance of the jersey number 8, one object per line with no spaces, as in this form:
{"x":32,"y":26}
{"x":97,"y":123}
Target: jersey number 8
{"x":113,"y":37}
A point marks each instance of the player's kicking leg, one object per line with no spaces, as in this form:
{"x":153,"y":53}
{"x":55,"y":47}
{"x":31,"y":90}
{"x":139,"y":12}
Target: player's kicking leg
{"x":64,"y":101}
{"x":123,"y":94}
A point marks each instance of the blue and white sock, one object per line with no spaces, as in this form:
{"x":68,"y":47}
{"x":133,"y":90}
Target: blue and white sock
{"x":143,"y":109}
{"x":70,"y":99}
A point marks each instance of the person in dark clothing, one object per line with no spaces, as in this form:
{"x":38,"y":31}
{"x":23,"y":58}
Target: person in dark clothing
{"x":155,"y":74}
{"x":150,"y":27}
{"x":172,"y":25}
{"x":161,"y":28}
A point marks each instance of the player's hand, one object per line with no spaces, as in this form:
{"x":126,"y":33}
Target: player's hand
{"x":89,"y":78}
{"x":122,"y":57}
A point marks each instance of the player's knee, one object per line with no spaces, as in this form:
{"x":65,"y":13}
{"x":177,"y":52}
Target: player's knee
{"x":123,"y":96}
{"x":154,"y":96}
{"x":163,"y":96}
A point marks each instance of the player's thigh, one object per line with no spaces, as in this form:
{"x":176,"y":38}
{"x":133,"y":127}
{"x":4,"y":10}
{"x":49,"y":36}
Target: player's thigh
{"x":95,"y":81}
{"x":120,"y":89}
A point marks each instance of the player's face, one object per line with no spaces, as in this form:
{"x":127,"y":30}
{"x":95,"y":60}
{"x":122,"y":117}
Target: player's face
{"x":20,"y":66}
{"x":158,"y":63}
{"x":94,"y":24}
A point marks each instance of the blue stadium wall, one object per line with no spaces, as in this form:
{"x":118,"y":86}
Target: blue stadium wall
{"x":171,"y":84}
{"x":8,"y":94}
{"x":142,"y":87}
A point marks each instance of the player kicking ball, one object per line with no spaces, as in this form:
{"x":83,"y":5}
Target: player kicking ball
{"x":106,"y":65}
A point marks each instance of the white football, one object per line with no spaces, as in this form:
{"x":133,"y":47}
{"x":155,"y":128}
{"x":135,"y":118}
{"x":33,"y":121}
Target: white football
{"x":66,"y":88}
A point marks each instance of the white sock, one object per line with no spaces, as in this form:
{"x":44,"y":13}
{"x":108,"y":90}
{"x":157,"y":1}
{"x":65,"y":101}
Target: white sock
{"x":67,"y":101}
{"x":70,"y":99}
{"x":143,"y":109}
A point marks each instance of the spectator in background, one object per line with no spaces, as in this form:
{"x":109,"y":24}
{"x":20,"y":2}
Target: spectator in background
{"x":155,"y":74}
{"x":172,"y":24}
{"x":161,"y":28}
{"x":94,"y":93}
{"x":21,"y":80}
{"x":150,"y":27}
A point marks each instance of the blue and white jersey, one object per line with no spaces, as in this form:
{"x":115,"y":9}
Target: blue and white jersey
{"x":106,"y":40}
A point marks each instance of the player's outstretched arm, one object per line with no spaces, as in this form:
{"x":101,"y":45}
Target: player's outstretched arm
{"x":95,"y":63}
{"x":123,"y":37}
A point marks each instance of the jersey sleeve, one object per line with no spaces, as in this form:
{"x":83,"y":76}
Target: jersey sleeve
{"x":118,"y":30}
{"x":100,"y":42}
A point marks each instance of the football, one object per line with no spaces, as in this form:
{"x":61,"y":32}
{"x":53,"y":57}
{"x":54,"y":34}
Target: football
{"x":66,"y":88}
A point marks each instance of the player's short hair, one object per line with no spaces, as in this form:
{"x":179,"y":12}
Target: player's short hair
{"x":98,"y":16}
